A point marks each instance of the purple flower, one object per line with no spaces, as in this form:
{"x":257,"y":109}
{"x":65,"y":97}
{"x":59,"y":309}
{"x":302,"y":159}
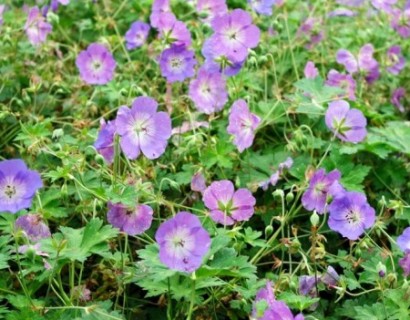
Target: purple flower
{"x":403,"y":241}
{"x":183,"y":242}
{"x":307,"y":284}
{"x":227,"y":205}
{"x":188,"y":126}
{"x":36,"y":27}
{"x":96,"y":64}
{"x":105,"y":140}
{"x":395,"y":60}
{"x":400,"y":21}
{"x":405,"y":264}
{"x":365,"y":62}
{"x":242,"y":124}
{"x":347,"y":124}
{"x":198,"y":182}
{"x":383,"y":5}
{"x":143,"y":129}
{"x":137,"y":35}
{"x":159,"y":7}
{"x":211,"y":8}
{"x":341,"y":12}
{"x":312,"y":30}
{"x":173,"y":31}
{"x":216,"y":60}
{"x":2,"y":9}
{"x":208,"y":91}
{"x":330,"y":278}
{"x":234,"y":34}
{"x":320,"y":188}
{"x":262,"y":6}
{"x":81,"y":293}
{"x":177,"y":63}
{"x":132,"y":221}
{"x":33,"y":226}
{"x":397,"y":98}
{"x":311,"y":71}
{"x":274,"y":178}
{"x":350,"y":215}
{"x":351,"y":3}
{"x":342,"y":81}
{"x":18,"y":185}
{"x":273,"y":309}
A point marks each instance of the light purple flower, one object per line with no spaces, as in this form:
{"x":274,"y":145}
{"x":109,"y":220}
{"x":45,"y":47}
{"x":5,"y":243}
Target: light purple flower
{"x":132,"y":221}
{"x":227,"y":205}
{"x":208,"y":91}
{"x":400,"y":21}
{"x":263,"y":7}
{"x":234,"y":34}
{"x":18,"y":185}
{"x":350,"y":215}
{"x":173,"y":31}
{"x":189,"y":126}
{"x":159,"y":7}
{"x":275,"y":310}
{"x":2,"y":9}
{"x":395,"y":60}
{"x":36,"y":27}
{"x":403,"y":241}
{"x":347,"y":124}
{"x":242,"y":124}
{"x":311,"y":71}
{"x":342,"y":81}
{"x":351,"y":3}
{"x":320,"y":188}
{"x":81,"y":293}
{"x":216,"y":60}
{"x":365,"y":63}
{"x":307,"y":284}
{"x":183,"y":242}
{"x":342,"y":12}
{"x":330,"y":277}
{"x":211,"y":8}
{"x":383,"y":5}
{"x":177,"y":63}
{"x":33,"y":226}
{"x":105,"y":140}
{"x":96,"y":64}
{"x":274,"y":178}
{"x":143,"y":129}
{"x":312,"y":30}
{"x":405,"y":264}
{"x":137,"y":35}
{"x":198,"y":182}
{"x":397,"y":98}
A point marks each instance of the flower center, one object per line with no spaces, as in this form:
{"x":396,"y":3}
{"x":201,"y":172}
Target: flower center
{"x":353,"y":216}
{"x":10,"y":191}
{"x":176,"y":63}
{"x":178,"y":242}
{"x":320,"y":188}
{"x":96,"y":65}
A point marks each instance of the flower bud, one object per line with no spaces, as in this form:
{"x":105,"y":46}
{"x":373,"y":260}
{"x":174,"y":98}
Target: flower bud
{"x":268,"y":230}
{"x":381,"y":269}
{"x":289,"y":197}
{"x":314,"y":219}
{"x":278,"y":194}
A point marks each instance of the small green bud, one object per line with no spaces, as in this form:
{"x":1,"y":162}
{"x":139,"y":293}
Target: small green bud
{"x":314,"y":219}
{"x":268,"y":230}
{"x":278,"y":193}
{"x":391,"y":278}
{"x":381,"y":269}
{"x":289,"y":197}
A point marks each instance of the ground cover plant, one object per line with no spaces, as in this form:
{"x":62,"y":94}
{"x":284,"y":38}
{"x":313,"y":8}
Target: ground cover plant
{"x":204,"y":159}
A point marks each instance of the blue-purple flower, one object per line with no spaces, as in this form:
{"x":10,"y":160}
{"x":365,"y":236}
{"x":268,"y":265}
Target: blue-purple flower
{"x":33,"y":226}
{"x":383,"y":5}
{"x":351,"y":215}
{"x":242,"y":124}
{"x":173,"y":31}
{"x":397,"y":97}
{"x":143,"y":129}
{"x":36,"y":27}
{"x":263,"y":7}
{"x":400,"y":21}
{"x":395,"y":60}
{"x":310,"y":70}
{"x":234,"y":34}
{"x":347,"y":124}
{"x":321,"y":187}
{"x":132,"y":221}
{"x":275,"y":176}
{"x":312,"y":30}
{"x":209,"y":9}
{"x":403,"y":240}
{"x":198,"y":182}
{"x":364,"y":63}
{"x":96,"y":64}
{"x":158,"y":8}
{"x":342,"y":81}
{"x":137,"y":35}
{"x":208,"y":91}
{"x":18,"y":185}
{"x":177,"y":63}
{"x":183,"y":242}
{"x":228,"y":206}
{"x":105,"y":140}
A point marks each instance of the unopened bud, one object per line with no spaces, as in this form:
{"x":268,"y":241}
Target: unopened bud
{"x":278,"y":193}
{"x":268,"y":230}
{"x":314,"y":219}
{"x":381,"y":268}
{"x":289,"y":197}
